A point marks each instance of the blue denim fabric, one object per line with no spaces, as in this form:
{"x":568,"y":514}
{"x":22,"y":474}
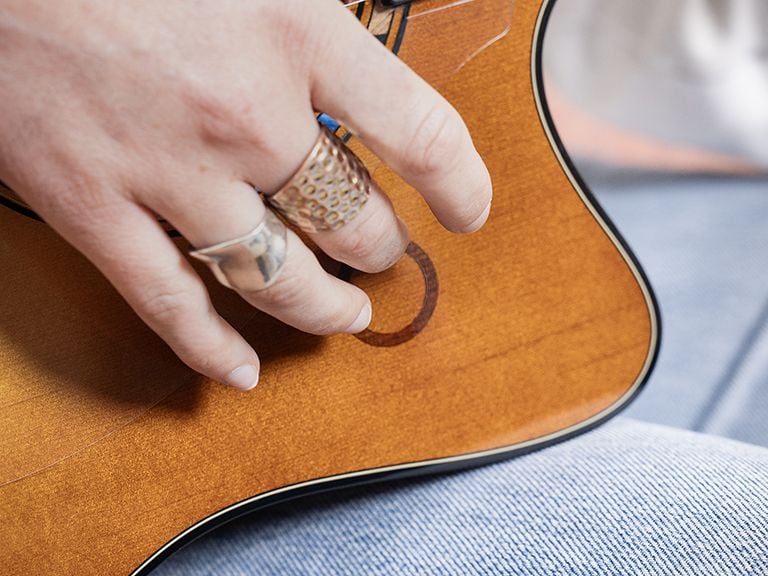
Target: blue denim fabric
{"x":629,"y":498}
{"x":704,"y":244}
{"x":741,"y":411}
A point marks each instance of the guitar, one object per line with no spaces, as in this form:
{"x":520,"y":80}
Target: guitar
{"x":541,"y":326}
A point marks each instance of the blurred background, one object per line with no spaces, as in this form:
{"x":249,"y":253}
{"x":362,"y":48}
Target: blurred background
{"x":663,"y":107}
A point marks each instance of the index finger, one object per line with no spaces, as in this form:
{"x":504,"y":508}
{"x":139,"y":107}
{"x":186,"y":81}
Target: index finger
{"x":403,"y":120}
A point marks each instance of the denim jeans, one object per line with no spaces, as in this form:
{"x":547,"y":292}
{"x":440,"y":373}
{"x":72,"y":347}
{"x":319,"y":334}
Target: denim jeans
{"x":629,"y":498}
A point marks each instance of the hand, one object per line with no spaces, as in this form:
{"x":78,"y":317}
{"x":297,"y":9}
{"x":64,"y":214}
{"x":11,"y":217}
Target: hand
{"x":115,"y":112}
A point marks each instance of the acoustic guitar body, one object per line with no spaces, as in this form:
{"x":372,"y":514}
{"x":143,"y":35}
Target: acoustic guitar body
{"x":113,"y":454}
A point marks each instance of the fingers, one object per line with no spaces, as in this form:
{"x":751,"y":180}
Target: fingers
{"x":308,"y":298}
{"x":268,"y":159}
{"x":303,"y":295}
{"x":139,"y":259}
{"x":176,"y":129}
{"x":404,"y":121}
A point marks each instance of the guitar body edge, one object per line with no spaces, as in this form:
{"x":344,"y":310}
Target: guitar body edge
{"x":469,"y":460}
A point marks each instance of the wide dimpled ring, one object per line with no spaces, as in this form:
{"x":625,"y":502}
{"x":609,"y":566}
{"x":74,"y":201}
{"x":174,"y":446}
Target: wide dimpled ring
{"x":328,"y":190}
{"x":251,"y":262}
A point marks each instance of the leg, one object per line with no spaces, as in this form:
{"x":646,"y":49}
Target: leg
{"x":629,"y":498}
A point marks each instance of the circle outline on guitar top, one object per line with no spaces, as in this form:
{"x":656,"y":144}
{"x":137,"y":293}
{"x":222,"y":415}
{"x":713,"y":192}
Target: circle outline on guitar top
{"x":428,"y":305}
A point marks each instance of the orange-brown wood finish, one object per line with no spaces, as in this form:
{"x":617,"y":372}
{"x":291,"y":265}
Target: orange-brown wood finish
{"x":110,"y":447}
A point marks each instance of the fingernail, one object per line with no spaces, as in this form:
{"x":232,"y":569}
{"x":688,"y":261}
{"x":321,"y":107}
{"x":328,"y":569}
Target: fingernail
{"x":403,"y":229}
{"x":478,"y":223}
{"x":362,"y":320}
{"x":243,"y":378}
{"x":405,"y":235}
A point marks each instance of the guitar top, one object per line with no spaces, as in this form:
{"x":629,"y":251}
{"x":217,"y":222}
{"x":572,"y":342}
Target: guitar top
{"x":113,"y":453}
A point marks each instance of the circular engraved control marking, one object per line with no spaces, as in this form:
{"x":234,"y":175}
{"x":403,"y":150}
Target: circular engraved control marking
{"x":431,"y":290}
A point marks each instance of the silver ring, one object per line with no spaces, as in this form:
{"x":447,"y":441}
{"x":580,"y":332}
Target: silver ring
{"x":251,"y":262}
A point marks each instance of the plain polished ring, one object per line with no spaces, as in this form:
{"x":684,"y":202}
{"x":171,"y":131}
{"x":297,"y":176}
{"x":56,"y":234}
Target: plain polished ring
{"x":251,"y":262}
{"x":328,"y":190}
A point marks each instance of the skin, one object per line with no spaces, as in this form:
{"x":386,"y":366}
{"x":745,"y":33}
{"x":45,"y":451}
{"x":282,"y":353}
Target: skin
{"x":115,"y":112}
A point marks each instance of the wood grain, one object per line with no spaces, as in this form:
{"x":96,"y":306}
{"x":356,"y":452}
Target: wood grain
{"x":110,"y":447}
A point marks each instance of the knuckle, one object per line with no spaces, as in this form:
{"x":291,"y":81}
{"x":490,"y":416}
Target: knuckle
{"x":322,"y":323}
{"x":290,"y":28}
{"x":288,"y":291}
{"x":294,"y":294}
{"x":369,"y":242}
{"x":293,"y":31}
{"x":203,"y":357}
{"x":476,"y":201}
{"x":436,"y":141}
{"x":225,"y":117}
{"x":79,"y":196}
{"x":329,"y":320}
{"x":187,"y":322}
{"x":84,"y":215}
{"x":170,"y":307}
